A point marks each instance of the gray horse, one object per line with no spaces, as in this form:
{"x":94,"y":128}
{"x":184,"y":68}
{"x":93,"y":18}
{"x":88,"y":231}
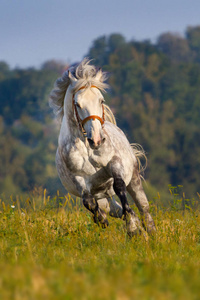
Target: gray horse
{"x":94,"y":158}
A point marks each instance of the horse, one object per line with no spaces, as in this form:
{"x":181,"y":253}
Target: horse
{"x":94,"y":159}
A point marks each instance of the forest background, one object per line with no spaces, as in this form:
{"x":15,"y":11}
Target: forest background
{"x":154,"y":94}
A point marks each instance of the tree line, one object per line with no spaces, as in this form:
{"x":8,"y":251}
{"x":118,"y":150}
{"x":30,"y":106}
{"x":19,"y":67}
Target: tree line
{"x":154,"y":94}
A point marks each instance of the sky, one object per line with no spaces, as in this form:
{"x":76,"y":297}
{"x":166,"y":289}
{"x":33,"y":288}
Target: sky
{"x":35,"y":31}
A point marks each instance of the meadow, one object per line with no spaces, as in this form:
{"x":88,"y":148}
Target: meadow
{"x":50,"y":251}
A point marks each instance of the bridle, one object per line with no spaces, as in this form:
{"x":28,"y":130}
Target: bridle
{"x":92,"y":117}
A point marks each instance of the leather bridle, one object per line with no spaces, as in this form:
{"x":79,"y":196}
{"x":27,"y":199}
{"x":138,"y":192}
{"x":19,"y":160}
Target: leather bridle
{"x":92,"y":117}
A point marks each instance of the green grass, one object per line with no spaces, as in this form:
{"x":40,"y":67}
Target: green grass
{"x":59,"y":253}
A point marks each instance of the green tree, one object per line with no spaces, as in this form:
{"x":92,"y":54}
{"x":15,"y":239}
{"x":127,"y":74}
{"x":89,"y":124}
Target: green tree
{"x":193,"y":38}
{"x":175,"y":46}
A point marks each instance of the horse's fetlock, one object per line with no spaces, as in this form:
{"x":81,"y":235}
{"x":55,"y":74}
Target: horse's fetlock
{"x":100,"y":218}
{"x":148,"y":223}
{"x":128,"y":209}
{"x":145,"y":210}
{"x":133,"y":225}
{"x":90,"y":204}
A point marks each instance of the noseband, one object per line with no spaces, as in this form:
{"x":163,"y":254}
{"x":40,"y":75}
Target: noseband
{"x":92,"y":117}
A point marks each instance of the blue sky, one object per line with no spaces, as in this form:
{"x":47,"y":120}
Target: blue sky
{"x":34,"y":31}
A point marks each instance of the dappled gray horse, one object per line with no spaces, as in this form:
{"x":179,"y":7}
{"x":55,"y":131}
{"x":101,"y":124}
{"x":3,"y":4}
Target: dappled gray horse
{"x":94,"y":158}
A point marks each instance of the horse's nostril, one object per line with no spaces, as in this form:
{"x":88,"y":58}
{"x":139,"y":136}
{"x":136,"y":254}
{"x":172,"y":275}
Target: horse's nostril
{"x":91,"y":142}
{"x":103,"y":140}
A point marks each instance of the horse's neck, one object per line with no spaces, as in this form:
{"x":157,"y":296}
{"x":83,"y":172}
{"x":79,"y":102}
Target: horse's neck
{"x":69,"y":126}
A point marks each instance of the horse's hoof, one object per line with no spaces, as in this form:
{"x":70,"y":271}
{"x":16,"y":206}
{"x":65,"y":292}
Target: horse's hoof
{"x":133,"y":225}
{"x":151,"y":229}
{"x":102,"y":222}
{"x":136,"y":232}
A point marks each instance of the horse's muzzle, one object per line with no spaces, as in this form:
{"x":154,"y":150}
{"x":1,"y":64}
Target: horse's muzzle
{"x":95,"y":144}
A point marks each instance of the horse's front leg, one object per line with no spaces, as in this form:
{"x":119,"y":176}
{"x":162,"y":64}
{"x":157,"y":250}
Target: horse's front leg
{"x":132,"y":221}
{"x":92,"y":205}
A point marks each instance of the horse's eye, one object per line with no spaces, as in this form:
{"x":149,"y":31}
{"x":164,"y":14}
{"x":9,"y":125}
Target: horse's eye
{"x":78,"y":105}
{"x":102,"y":101}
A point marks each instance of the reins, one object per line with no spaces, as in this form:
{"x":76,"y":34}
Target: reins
{"x":92,"y":117}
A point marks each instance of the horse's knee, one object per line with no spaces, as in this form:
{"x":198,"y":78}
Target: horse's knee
{"x":111,"y":207}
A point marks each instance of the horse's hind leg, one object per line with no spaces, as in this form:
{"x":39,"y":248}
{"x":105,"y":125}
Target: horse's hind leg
{"x":132,"y":221}
{"x":136,"y":191}
{"x":92,"y":205}
{"x":111,"y":207}
{"x":119,"y":186}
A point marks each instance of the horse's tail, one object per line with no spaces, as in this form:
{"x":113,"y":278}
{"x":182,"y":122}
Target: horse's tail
{"x":140,"y":154}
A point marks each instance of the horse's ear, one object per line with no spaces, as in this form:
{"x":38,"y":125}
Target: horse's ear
{"x":71,"y":77}
{"x":99,"y":75}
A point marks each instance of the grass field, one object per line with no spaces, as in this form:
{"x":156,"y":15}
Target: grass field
{"x":59,"y":253}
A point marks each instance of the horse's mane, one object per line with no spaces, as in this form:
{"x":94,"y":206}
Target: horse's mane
{"x":86,"y":75}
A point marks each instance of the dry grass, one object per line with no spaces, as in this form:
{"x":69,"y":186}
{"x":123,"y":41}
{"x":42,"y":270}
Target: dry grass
{"x":48,"y":253}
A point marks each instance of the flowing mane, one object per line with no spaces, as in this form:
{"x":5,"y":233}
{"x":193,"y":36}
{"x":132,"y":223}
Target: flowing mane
{"x":86,"y":75}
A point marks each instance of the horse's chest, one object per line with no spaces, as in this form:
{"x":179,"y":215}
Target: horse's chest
{"x":81,"y":161}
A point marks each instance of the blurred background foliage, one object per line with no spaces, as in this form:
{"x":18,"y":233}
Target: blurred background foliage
{"x":154,"y":94}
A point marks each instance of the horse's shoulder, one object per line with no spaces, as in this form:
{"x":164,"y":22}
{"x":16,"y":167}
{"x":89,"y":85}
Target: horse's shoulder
{"x":73,"y":153}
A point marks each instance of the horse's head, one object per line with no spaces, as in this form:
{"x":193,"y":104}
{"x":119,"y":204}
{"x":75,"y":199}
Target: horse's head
{"x":89,"y":112}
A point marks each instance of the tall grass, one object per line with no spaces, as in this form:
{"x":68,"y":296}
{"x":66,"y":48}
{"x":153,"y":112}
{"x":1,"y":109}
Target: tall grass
{"x":51,"y":249}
